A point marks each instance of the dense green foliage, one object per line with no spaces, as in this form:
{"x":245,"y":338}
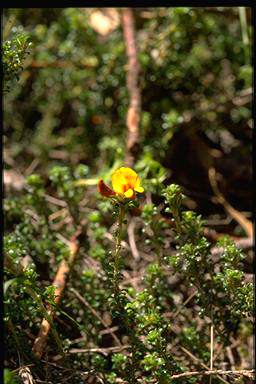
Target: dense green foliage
{"x":74,"y":81}
{"x":221,"y":296}
{"x":64,"y":129}
{"x":14,"y":52}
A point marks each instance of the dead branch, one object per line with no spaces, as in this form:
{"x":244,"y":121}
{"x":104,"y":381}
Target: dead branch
{"x":132,"y":80}
{"x":59,"y":284}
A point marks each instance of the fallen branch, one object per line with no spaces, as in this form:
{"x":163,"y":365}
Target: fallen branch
{"x":59,"y":284}
{"x":132,"y":79}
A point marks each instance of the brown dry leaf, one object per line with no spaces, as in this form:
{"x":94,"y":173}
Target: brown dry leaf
{"x":25,"y":375}
{"x":105,"y":20}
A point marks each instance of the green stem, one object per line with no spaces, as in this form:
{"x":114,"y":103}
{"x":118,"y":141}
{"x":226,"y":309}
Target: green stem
{"x":177,"y":222}
{"x":159,"y":257}
{"x":38,"y":300}
{"x":134,"y":341}
{"x":118,"y":246}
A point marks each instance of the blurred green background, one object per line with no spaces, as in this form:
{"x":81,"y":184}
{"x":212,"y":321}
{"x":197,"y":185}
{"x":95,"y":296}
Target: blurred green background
{"x":69,"y":105}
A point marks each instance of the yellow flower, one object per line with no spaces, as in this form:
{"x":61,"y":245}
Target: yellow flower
{"x":126,"y":182}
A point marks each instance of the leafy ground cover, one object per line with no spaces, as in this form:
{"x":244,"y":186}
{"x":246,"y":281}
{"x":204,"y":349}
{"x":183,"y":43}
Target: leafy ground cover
{"x":109,"y":283}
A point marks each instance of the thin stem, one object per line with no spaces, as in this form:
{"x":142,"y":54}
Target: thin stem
{"x":118,"y":246}
{"x":47,"y":316}
{"x":132,"y":378}
{"x":159,"y":258}
{"x":177,"y":221}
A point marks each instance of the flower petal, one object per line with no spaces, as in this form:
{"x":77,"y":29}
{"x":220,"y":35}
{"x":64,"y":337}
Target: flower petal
{"x":104,"y":190}
{"x":118,"y":181}
{"x":129,"y":193}
{"x":123,"y":179}
{"x":139,"y":189}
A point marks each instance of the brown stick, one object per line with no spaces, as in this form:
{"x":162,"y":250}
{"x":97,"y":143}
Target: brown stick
{"x":59,"y":284}
{"x":132,"y":79}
